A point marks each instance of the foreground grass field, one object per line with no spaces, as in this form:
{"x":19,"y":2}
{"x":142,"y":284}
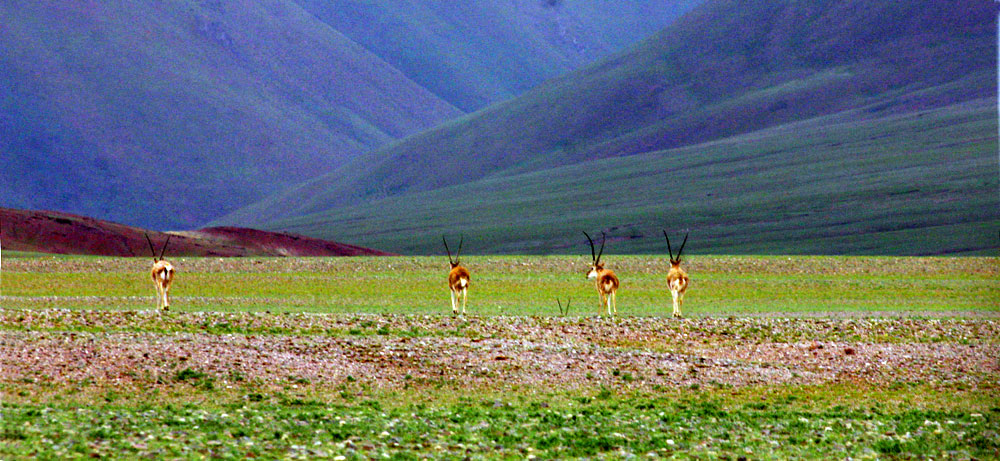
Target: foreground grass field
{"x":303,"y":358}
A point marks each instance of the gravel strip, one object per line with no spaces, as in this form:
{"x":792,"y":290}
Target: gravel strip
{"x":53,"y":347}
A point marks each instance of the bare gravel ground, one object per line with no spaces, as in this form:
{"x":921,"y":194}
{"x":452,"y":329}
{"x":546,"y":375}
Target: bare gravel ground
{"x":103,"y":348}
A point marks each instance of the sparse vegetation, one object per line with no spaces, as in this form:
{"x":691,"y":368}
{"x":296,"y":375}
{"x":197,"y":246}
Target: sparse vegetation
{"x":811,"y":422}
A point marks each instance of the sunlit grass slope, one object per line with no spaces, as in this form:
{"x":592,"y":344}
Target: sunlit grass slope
{"x":918,"y":183}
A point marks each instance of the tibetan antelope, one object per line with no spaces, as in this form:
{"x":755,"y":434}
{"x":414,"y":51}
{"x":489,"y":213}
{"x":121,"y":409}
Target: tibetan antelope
{"x":605,"y":279}
{"x":458,"y":278}
{"x":677,"y":279}
{"x":162,"y":274}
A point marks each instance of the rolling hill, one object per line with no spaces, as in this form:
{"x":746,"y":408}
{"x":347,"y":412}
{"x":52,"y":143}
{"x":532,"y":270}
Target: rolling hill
{"x":64,"y":233}
{"x":168,"y":115}
{"x":921,"y":183}
{"x":726,"y":72}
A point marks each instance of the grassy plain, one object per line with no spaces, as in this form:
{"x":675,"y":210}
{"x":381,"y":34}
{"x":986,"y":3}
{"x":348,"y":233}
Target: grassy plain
{"x":779,"y":357}
{"x":513,"y":285}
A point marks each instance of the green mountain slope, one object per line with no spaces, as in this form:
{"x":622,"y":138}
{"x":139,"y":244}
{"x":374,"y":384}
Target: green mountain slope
{"x":725,"y":68}
{"x":475,"y":53}
{"x":918,"y":183}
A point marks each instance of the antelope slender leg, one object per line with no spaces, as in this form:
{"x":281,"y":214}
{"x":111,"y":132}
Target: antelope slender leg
{"x":166,"y":298}
{"x":614,"y":302}
{"x":465,"y":297}
{"x":454,"y":303}
{"x":677,"y":310}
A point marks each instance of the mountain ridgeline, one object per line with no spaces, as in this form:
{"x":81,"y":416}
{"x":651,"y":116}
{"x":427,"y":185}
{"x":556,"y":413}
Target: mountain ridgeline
{"x":472,"y":54}
{"x":169,"y":114}
{"x":766,"y":80}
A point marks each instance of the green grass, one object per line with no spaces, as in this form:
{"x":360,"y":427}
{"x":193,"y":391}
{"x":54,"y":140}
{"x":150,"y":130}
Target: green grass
{"x":513,"y":285}
{"x":810,"y":421}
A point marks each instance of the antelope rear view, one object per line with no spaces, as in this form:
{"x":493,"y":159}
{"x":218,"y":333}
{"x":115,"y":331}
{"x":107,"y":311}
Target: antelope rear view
{"x":162,"y":274}
{"x":605,"y":279}
{"x":677,"y":279}
{"x":458,"y":278}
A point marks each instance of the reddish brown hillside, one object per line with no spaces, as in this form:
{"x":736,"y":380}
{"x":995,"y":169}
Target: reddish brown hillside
{"x":64,"y":233}
{"x":260,"y":242}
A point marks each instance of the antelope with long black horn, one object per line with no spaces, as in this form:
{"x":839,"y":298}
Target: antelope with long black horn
{"x":605,"y":279}
{"x":162,"y":274}
{"x":458,"y":278}
{"x":677,"y":279}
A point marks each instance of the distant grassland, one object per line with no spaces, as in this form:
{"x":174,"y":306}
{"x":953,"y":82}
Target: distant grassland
{"x":513,"y":285}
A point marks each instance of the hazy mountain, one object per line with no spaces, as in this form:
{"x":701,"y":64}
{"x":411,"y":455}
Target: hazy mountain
{"x":475,"y":53}
{"x":725,"y":69}
{"x":167,"y":114}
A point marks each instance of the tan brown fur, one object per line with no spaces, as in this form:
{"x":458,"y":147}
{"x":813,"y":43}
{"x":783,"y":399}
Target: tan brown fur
{"x":677,"y":279}
{"x":163,"y":276}
{"x":607,"y":285}
{"x":604,"y":279}
{"x":458,"y":278}
{"x":458,"y":282}
{"x":677,"y":282}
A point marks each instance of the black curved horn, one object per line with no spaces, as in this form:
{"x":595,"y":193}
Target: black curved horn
{"x":592,"y":254}
{"x":446,"y":249}
{"x":152,"y":251}
{"x":682,"y":246}
{"x":604,"y":238}
{"x":669,"y":250}
{"x":162,"y":250}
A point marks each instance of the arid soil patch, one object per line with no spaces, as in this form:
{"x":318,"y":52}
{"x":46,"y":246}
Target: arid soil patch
{"x":142,"y":348}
